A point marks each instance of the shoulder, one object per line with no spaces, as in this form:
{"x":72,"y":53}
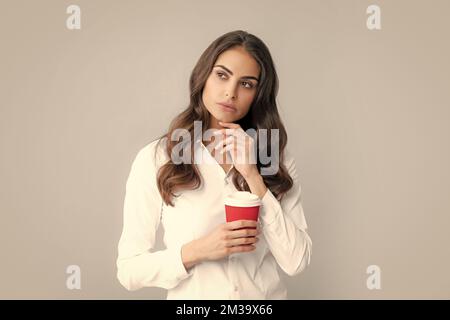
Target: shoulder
{"x":152,"y":154}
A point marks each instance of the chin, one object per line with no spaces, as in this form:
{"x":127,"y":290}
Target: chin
{"x":221,"y":117}
{"x":224,"y":119}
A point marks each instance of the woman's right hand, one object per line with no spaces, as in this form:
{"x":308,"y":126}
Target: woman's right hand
{"x":228,"y":238}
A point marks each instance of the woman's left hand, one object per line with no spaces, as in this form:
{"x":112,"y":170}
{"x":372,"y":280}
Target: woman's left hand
{"x":242,"y":148}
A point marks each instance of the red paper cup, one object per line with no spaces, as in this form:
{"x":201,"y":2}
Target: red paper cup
{"x":242,"y":205}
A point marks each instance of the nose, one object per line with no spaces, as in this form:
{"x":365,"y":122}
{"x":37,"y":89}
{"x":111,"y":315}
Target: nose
{"x":231,"y":92}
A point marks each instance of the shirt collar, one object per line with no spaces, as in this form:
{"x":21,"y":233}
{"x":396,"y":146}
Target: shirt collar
{"x":205,"y":153}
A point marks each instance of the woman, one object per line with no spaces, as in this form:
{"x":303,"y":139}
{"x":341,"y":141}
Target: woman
{"x":233,"y":88}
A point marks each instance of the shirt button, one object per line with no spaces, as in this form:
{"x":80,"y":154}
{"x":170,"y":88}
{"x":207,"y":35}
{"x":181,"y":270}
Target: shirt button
{"x":235,"y":288}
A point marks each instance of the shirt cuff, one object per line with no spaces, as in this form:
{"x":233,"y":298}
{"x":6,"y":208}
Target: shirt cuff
{"x":177,"y":262}
{"x":271,"y":208}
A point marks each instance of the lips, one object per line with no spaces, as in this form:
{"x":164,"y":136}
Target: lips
{"x":227,"y":105}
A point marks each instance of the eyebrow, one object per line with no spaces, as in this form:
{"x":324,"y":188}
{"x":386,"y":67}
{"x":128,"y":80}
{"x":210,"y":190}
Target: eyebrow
{"x":229,"y":71}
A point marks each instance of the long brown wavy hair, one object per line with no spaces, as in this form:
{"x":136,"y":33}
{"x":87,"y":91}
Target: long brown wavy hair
{"x":263,"y":114}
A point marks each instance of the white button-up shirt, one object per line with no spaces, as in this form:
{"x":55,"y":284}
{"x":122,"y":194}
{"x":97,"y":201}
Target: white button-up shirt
{"x":284,"y":241}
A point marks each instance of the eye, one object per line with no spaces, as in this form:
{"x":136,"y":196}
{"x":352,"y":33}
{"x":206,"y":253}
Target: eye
{"x":247,"y":84}
{"x":221,"y":75}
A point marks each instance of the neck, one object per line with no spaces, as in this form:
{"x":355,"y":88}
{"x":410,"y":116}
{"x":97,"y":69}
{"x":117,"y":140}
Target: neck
{"x":214,"y":123}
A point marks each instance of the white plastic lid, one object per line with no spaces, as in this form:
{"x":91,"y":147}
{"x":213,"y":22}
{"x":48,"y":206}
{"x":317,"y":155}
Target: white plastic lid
{"x":242,"y":199}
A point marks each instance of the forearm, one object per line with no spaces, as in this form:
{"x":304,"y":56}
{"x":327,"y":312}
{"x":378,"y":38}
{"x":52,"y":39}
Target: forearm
{"x":162,"y":268}
{"x":290,"y":246}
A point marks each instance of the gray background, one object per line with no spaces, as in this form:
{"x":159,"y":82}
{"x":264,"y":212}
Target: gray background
{"x":366,"y":112}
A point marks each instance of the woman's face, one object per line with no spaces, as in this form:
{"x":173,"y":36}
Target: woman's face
{"x":233,"y":81}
